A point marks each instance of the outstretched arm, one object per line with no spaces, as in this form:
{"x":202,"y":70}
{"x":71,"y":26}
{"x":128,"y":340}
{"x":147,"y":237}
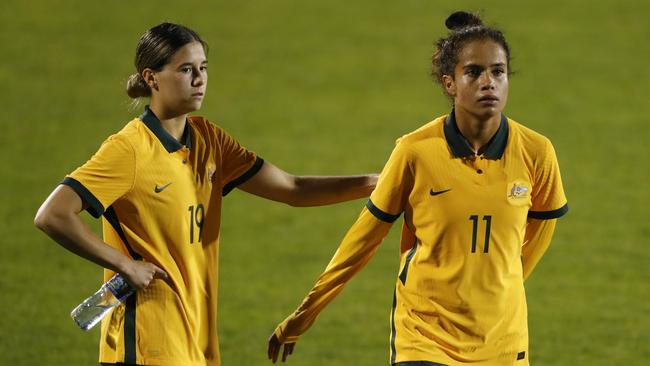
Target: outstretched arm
{"x":358,"y":246}
{"x":536,"y":241}
{"x":356,"y":249}
{"x":275,"y":184}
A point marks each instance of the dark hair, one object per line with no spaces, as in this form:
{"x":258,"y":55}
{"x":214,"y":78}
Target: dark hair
{"x":464,"y":28}
{"x":156,"y":46}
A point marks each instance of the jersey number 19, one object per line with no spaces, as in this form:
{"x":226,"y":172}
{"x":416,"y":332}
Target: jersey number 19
{"x":196,"y":219}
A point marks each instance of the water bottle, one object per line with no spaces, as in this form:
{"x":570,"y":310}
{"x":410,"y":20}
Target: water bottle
{"x":93,"y":309}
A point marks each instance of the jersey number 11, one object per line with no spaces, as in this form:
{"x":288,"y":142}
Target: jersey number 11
{"x":488,"y":223}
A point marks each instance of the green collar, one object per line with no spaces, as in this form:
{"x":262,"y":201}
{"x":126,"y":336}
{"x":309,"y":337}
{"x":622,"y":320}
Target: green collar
{"x":169,"y":142}
{"x":460,"y":147}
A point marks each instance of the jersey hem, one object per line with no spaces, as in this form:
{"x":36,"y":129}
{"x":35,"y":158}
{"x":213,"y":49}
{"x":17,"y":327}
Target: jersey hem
{"x":160,"y":362}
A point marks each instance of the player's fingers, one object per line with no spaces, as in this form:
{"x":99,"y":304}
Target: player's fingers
{"x":135,"y":275}
{"x":286,"y":352}
{"x":276,"y":350}
{"x":273,"y":350}
{"x":159,"y":273}
{"x":269,"y":351}
{"x":291,"y":347}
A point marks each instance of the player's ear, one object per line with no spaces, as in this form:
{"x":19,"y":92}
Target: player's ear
{"x":450,"y":85}
{"x":149,"y":77}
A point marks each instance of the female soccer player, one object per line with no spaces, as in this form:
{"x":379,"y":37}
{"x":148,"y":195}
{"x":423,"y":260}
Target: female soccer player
{"x":480,"y":194}
{"x":159,"y":183}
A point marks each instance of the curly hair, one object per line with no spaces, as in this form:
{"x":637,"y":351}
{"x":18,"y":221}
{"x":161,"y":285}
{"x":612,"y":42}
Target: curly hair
{"x":464,"y":28}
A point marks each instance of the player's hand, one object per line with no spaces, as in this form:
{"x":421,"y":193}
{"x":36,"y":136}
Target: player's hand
{"x":275,"y":346}
{"x":139,"y":274}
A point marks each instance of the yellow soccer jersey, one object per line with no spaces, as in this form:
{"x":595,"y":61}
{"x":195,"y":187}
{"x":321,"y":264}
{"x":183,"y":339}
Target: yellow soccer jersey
{"x":459,"y":296}
{"x":161,"y":202}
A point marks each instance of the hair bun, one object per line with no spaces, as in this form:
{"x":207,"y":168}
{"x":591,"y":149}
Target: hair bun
{"x":461,"y":19}
{"x":136,"y":87}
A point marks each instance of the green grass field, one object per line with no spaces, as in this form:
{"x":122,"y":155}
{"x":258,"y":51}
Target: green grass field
{"x":325,"y":87}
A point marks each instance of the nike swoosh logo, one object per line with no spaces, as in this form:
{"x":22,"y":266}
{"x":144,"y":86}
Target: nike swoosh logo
{"x":161,"y":188}
{"x":434,"y":193}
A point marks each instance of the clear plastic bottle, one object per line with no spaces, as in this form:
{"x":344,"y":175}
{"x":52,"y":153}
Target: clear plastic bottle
{"x":93,"y":309}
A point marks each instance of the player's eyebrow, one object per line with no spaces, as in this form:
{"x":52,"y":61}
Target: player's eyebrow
{"x":204,"y":62}
{"x":471,"y":66}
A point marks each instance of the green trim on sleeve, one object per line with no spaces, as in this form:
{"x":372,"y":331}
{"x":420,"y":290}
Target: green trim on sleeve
{"x":381,"y":215}
{"x":548,"y":215}
{"x":95,"y":208}
{"x":244,"y":177}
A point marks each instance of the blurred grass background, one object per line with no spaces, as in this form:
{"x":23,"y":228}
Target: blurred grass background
{"x":325,"y":87}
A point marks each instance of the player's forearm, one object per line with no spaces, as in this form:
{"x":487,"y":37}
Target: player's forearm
{"x":69,"y":231}
{"x":537,"y":240}
{"x":317,"y":191}
{"x":356,"y":250}
{"x":273,"y":183}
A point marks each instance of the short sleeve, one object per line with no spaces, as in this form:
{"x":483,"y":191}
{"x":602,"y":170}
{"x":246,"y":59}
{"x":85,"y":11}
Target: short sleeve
{"x":107,"y":176}
{"x":238,"y":163}
{"x":389,"y":198}
{"x":548,"y":199}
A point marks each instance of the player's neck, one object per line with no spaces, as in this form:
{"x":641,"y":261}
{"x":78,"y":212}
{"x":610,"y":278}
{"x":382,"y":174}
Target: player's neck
{"x":173,"y":123}
{"x":476,"y":130}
